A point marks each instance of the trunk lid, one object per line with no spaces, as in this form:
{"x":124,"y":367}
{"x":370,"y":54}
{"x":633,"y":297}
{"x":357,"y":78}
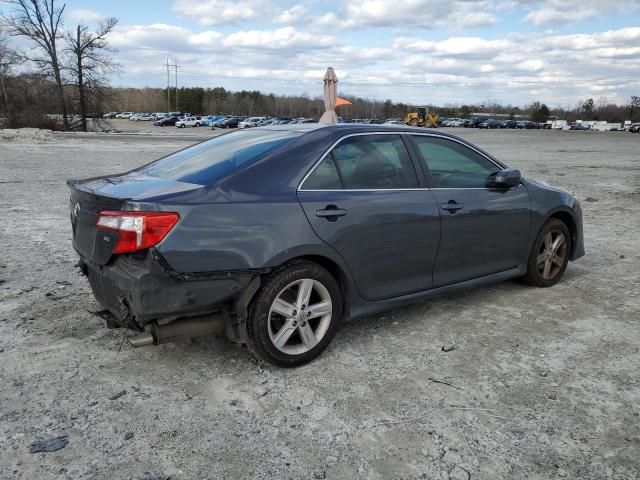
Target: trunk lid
{"x":90,"y":197}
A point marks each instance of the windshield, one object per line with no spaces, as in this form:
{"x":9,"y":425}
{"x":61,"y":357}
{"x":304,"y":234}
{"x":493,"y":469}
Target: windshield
{"x":206,"y":162}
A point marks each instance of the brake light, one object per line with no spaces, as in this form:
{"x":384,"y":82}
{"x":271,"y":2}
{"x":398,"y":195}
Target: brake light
{"x":138,"y":230}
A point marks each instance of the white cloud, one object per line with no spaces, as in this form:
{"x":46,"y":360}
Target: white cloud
{"x":475,"y":19}
{"x":161,"y":37}
{"x":545,"y":12}
{"x":454,"y":46}
{"x":425,"y":14}
{"x":286,"y":37}
{"x":220,"y":12}
{"x":292,"y":15}
{"x":531,"y":65}
{"x":85,"y":16}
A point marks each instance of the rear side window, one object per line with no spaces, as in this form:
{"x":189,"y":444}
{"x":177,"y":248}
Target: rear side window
{"x":324,"y":177}
{"x":208,"y":161}
{"x":365,"y":162}
{"x":453,"y":165}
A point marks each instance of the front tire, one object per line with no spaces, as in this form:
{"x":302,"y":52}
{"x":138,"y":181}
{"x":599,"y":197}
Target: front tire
{"x":550,"y":254}
{"x":294,"y":315}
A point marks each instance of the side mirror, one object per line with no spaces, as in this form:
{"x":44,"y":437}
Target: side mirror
{"x":507,"y":178}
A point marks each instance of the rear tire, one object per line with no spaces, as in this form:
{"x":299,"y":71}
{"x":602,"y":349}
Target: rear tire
{"x":294,"y":315}
{"x":549,"y":255}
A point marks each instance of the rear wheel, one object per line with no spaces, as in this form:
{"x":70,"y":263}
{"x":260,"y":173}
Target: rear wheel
{"x":295,"y":315}
{"x":550,"y":254}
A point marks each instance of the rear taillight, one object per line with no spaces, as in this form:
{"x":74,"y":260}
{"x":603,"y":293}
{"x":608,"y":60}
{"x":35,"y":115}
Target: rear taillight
{"x":138,"y":230}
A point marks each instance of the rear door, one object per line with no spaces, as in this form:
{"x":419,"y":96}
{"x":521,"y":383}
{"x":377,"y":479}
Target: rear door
{"x":483,"y":230}
{"x":363,"y":198}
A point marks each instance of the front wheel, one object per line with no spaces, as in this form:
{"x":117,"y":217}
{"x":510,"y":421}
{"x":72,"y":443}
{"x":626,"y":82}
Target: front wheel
{"x":550,"y":254}
{"x":295,"y":315}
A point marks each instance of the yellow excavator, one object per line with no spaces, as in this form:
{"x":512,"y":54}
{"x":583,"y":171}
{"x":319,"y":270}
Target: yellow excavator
{"x":421,"y":118}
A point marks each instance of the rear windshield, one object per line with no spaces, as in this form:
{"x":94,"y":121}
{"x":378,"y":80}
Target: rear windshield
{"x":208,"y":161}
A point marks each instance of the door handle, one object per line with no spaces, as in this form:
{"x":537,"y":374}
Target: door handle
{"x":331,"y":213}
{"x":452,"y":206}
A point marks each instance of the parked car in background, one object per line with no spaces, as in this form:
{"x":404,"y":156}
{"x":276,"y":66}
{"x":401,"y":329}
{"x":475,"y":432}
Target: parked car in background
{"x":508,"y":124}
{"x":218,"y":122}
{"x":124,"y":115}
{"x":209,"y":120}
{"x":188,"y":122}
{"x":110,"y":115}
{"x":579,"y":126}
{"x":250,"y":122}
{"x":300,"y":240}
{"x":490,"y":124}
{"x":634,"y":128}
{"x":231,"y":122}
{"x":474,"y":122}
{"x":144,"y":117}
{"x":166,"y":121}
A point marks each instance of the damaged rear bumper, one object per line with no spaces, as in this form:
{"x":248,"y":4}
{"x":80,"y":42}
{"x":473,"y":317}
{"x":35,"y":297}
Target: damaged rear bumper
{"x":140,"y":288}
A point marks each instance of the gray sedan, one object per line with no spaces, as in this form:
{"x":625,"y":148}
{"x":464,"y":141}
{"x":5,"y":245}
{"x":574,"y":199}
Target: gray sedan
{"x":274,"y":235}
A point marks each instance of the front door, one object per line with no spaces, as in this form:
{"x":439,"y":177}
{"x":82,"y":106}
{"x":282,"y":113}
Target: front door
{"x":483,"y":230}
{"x":363,"y":199}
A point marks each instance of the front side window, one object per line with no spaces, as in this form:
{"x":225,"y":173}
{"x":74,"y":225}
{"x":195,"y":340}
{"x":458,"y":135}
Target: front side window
{"x":365,"y":162}
{"x":453,"y":165}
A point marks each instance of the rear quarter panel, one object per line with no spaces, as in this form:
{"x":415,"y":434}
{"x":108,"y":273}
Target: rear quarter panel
{"x":239,"y":236}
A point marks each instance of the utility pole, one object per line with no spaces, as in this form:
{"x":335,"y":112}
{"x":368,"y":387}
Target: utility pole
{"x":168,"y":86}
{"x":176,"y":67}
{"x":169,"y":67}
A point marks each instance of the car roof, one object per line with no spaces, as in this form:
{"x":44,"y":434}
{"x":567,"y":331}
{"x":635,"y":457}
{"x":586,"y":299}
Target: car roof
{"x":336,"y":131}
{"x":347,"y":128}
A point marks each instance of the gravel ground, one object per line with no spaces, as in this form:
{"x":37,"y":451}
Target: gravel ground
{"x":540,"y":384}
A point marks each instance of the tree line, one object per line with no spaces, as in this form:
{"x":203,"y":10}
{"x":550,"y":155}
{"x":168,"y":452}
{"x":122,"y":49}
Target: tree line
{"x":71,"y":68}
{"x":72,"y":64}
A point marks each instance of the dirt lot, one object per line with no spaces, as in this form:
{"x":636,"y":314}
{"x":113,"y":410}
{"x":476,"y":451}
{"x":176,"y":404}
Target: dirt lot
{"x":542,"y":383}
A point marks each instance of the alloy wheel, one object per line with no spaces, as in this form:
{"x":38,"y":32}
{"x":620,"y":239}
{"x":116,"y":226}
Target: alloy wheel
{"x":300,"y":316}
{"x":552,"y":254}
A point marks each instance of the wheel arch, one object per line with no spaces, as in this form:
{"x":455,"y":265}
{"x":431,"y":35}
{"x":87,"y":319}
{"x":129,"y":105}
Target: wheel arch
{"x":566,"y":216}
{"x":336,"y":271}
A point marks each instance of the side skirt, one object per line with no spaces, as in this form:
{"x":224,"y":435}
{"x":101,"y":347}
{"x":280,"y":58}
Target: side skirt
{"x":363,"y":308}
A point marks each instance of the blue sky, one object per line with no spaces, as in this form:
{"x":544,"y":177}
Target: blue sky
{"x":418,"y":51}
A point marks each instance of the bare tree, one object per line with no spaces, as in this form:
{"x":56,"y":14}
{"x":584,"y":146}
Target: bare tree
{"x":8,"y":58}
{"x":41,"y":22}
{"x":90,"y":65}
{"x":633,"y":107}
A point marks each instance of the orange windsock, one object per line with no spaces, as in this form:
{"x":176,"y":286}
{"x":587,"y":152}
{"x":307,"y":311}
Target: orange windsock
{"x":342,"y":101}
